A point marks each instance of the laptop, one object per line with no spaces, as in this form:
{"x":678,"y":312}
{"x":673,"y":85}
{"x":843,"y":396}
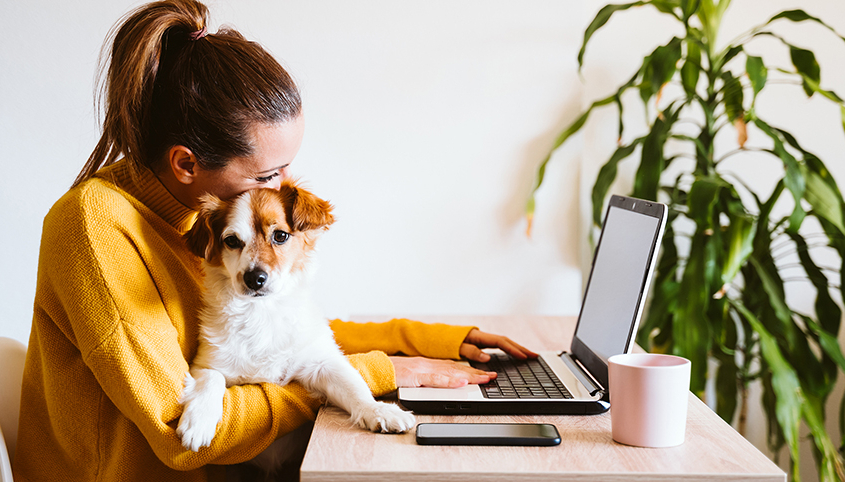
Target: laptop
{"x":573,"y":381}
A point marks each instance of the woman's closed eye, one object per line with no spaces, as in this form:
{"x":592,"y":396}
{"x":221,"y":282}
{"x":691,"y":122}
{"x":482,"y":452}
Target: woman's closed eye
{"x":266,"y":179}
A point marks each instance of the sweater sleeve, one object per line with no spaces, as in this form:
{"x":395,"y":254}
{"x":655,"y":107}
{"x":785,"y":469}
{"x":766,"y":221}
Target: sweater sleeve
{"x":412,"y":338}
{"x":376,"y":369}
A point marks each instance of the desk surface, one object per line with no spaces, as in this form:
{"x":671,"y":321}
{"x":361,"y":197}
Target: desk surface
{"x":712,"y":450}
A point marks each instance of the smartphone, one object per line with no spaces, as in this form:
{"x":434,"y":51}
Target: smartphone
{"x":487,"y":434}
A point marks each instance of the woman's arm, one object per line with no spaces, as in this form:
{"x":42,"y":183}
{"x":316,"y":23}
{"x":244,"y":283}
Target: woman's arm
{"x":432,"y":340}
{"x":412,"y":338}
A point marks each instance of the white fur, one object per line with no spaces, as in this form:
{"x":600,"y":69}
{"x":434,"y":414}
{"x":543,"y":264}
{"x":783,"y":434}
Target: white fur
{"x":278,"y":337}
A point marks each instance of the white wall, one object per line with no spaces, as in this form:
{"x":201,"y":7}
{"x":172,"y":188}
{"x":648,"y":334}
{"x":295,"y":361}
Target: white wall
{"x":425,"y":124}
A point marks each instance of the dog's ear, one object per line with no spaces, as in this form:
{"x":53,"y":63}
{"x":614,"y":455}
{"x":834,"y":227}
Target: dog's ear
{"x":200,"y":238}
{"x":304,"y":210}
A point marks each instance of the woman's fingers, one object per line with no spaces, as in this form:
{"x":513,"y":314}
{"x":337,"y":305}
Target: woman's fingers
{"x":481,"y":339}
{"x":472,"y":352}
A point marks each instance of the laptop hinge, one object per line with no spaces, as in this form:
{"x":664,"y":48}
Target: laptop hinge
{"x":580,"y":373}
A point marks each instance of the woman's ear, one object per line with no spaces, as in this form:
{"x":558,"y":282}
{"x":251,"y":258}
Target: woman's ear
{"x":183,"y":163}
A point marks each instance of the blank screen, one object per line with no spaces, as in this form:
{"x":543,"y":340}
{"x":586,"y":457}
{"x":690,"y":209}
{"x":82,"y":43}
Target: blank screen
{"x":619,"y":270}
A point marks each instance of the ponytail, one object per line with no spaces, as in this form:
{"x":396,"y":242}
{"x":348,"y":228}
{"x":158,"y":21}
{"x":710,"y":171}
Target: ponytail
{"x":169,"y":83}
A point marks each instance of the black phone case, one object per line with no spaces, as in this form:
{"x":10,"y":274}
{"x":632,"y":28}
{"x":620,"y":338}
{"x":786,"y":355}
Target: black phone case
{"x":552,"y":437}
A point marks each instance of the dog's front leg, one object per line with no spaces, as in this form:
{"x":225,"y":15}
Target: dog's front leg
{"x":202,"y":403}
{"x":343,"y":386}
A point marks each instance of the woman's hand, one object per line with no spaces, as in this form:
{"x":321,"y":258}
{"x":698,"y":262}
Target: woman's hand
{"x":477,"y":339}
{"x":428,"y":372}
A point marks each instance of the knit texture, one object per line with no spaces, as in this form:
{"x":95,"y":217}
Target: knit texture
{"x":401,"y":337}
{"x":114,"y":328}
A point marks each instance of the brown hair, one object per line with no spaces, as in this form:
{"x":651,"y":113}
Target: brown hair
{"x":166,"y":85}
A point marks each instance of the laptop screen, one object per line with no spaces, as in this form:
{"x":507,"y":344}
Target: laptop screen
{"x":618,"y":280}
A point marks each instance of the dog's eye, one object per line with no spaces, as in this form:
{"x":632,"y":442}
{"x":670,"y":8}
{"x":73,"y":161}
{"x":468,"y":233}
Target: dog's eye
{"x":232,"y":241}
{"x":280,"y":237}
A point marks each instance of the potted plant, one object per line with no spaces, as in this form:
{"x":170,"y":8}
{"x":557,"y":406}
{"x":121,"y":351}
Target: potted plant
{"x":718,"y":292}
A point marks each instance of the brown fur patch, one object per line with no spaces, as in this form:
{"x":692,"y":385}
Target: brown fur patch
{"x":203,"y":237}
{"x":305,"y":211}
{"x":268,"y":215}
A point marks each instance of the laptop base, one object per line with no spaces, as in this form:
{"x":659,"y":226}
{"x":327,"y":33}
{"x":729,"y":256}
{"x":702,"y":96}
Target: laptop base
{"x":507,"y":407}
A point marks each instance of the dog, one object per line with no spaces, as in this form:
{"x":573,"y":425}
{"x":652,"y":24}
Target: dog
{"x":259,"y":322}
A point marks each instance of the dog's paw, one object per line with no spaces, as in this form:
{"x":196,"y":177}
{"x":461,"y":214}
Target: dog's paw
{"x":200,"y":416}
{"x":385,"y":417}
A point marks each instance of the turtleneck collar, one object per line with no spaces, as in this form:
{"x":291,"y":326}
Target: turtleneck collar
{"x":146,"y":188}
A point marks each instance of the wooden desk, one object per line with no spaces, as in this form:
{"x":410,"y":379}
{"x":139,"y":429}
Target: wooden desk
{"x":713,"y":451}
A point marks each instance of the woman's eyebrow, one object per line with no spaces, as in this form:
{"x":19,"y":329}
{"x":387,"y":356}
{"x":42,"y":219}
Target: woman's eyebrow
{"x":273,"y":169}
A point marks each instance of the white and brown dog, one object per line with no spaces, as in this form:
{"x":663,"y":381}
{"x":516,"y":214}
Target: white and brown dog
{"x":259,"y":323}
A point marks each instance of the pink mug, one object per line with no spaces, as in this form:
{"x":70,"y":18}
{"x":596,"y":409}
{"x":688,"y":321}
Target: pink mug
{"x":649,"y":394}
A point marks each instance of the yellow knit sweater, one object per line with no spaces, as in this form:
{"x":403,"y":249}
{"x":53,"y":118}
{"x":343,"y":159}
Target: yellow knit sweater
{"x":113,"y":332}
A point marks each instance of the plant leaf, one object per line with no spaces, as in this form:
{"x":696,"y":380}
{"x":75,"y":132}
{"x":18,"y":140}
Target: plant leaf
{"x":703,"y":195}
{"x":605,"y":178}
{"x":598,"y":22}
{"x":658,"y":318}
{"x":768,"y":273}
{"x":757,"y":74}
{"x":823,"y":198}
{"x":690,"y":328}
{"x":666,"y":6}
{"x":652,"y":161}
{"x":740,"y":238}
{"x":726,"y":388}
{"x":827,"y":311}
{"x":732,"y":92}
{"x":830,"y":467}
{"x":801,"y":16}
{"x":691,"y":69}
{"x":726,"y":56}
{"x":795,"y":341}
{"x":842,"y":110}
{"x":561,"y":138}
{"x":807,"y":68}
{"x":806,"y":64}
{"x":659,"y":68}
{"x":689,"y":8}
{"x":813,"y":85}
{"x":794,"y":179}
{"x":828,"y":342}
{"x":774,"y":433}
{"x":822,"y":193}
{"x":788,"y":405}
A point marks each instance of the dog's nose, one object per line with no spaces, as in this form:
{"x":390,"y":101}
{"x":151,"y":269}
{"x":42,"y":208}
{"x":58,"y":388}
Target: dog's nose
{"x":255,"y":279}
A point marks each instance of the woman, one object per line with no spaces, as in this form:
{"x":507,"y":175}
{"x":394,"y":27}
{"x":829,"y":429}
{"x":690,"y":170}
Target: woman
{"x":115,"y":320}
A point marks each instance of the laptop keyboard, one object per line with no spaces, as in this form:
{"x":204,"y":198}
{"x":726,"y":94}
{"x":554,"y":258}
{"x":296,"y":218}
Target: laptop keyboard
{"x":530,"y":378}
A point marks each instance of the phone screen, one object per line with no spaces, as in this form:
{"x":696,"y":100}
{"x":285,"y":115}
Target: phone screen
{"x":487,"y":434}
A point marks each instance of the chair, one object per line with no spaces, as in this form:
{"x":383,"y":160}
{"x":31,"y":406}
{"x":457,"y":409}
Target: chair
{"x":12,"y":356}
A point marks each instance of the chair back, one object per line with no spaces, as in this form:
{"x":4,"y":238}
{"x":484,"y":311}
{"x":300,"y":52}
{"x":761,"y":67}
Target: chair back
{"x":12,"y":357}
{"x":5,"y":462}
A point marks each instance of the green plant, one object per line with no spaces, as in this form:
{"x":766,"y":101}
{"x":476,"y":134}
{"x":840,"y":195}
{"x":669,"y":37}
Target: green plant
{"x":720,"y":248}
